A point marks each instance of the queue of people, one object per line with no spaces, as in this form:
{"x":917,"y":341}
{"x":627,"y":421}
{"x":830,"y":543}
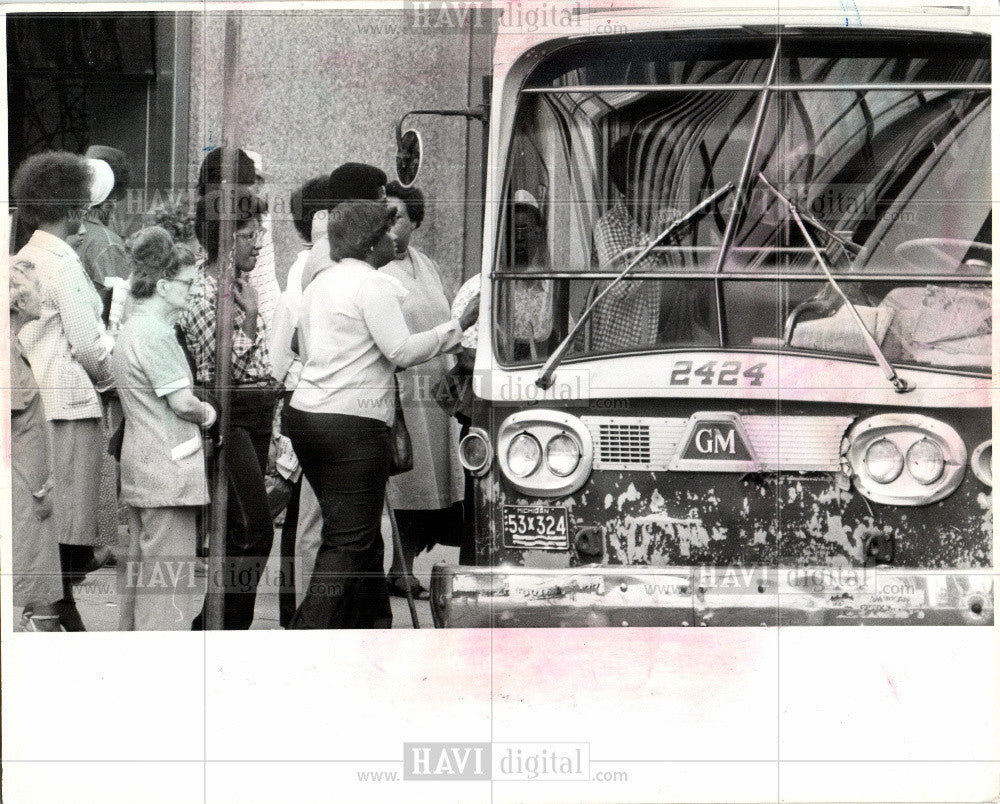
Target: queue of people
{"x":103,"y":323}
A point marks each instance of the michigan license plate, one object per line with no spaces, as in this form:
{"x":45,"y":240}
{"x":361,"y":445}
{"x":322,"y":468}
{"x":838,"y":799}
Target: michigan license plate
{"x":536,"y":527}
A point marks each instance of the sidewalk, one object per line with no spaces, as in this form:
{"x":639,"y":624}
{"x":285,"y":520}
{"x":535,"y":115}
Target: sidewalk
{"x":97,"y":597}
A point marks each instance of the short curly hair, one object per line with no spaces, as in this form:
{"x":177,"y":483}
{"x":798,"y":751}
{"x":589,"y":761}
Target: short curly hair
{"x":52,"y":187}
{"x":413,"y":198}
{"x":356,"y":226}
{"x":154,"y":256}
{"x":241,"y":204}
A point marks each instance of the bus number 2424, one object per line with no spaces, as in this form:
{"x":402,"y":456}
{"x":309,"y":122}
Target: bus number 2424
{"x":715,"y":372}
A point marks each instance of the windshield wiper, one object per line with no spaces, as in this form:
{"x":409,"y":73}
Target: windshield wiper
{"x":901,"y":385}
{"x":544,"y":379}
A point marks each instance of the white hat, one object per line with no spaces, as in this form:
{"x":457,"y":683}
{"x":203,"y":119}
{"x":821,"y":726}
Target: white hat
{"x":103,"y":181}
{"x":523,"y":197}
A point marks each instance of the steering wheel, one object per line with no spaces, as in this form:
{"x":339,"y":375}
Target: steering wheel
{"x":924,"y":251}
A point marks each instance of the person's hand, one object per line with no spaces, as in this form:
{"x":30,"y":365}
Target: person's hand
{"x":467,"y":359}
{"x":245,"y":296}
{"x":471,"y":314}
{"x":210,"y":416}
{"x":42,"y":507}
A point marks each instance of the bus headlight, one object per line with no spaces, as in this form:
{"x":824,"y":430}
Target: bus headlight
{"x":884,"y":461}
{"x":925,"y":461}
{"x":562,"y":455}
{"x":523,"y":455}
{"x":560,"y":467}
{"x":982,"y":462}
{"x":933,"y":466}
{"x":475,"y":451}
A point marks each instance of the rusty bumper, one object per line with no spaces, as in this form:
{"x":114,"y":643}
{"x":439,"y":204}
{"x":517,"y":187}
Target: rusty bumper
{"x":606,"y":596}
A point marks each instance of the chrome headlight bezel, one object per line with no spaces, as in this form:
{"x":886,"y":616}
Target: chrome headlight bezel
{"x":904,"y":431}
{"x":545,"y":426}
{"x":476,"y":433}
{"x":982,"y":462}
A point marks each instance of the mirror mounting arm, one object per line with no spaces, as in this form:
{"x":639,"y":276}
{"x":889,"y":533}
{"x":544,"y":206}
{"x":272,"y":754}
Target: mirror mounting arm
{"x":479,"y":112}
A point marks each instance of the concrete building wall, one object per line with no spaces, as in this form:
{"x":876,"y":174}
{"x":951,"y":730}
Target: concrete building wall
{"x":316,"y":89}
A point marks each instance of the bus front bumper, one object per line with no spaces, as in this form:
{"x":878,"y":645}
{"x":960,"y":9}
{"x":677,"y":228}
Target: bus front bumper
{"x":608,"y":596}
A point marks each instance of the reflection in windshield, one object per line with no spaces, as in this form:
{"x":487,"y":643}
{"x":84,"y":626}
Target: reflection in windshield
{"x":891,"y":164}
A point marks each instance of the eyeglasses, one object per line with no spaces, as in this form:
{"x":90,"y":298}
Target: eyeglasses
{"x":186,"y":282}
{"x":252,"y":237}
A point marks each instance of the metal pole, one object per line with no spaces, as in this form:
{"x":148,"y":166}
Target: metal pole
{"x":217,"y":580}
{"x":397,"y":546}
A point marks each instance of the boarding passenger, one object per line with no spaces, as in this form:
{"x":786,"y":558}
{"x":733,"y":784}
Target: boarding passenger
{"x":352,"y":336}
{"x":426,"y":501}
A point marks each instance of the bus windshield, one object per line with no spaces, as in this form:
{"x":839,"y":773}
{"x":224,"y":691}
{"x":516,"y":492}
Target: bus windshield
{"x":881,"y":144}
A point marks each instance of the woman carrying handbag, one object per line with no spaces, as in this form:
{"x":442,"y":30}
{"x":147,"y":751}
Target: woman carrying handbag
{"x":352,"y":336}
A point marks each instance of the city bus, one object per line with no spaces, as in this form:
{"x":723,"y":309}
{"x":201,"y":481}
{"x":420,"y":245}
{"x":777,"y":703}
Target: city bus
{"x":734,"y":357}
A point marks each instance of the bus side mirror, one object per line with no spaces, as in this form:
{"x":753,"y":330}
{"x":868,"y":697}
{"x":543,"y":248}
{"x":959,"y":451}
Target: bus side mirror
{"x":409,"y":147}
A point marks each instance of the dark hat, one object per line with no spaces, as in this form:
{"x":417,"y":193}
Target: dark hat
{"x":119,"y":166}
{"x":211,"y":169}
{"x":354,"y":181}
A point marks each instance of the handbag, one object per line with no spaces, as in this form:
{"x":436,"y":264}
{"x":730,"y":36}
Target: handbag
{"x":400,"y":446}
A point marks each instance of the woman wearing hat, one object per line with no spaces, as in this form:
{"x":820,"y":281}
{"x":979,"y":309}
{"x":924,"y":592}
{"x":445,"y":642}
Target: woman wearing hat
{"x":69,"y":355}
{"x":352,"y":335}
{"x":100,"y":249}
{"x":115,"y":217}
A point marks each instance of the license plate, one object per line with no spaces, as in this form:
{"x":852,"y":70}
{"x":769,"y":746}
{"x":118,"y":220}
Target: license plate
{"x":541,"y":528}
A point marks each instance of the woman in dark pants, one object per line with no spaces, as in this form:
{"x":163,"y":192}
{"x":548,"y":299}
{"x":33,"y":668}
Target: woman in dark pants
{"x":249,"y":529}
{"x":352,"y":336}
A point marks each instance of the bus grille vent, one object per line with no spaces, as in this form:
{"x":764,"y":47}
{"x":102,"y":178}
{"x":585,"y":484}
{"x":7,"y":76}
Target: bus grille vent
{"x":624,"y":443}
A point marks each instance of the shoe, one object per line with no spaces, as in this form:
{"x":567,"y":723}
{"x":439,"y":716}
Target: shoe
{"x":69,"y":616}
{"x":397,"y":588}
{"x":40,"y":622}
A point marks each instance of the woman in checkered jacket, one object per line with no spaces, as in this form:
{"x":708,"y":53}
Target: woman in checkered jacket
{"x":69,"y":353}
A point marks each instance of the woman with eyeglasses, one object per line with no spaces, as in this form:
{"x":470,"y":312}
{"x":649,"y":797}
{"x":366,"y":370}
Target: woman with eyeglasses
{"x":69,"y":355}
{"x":249,"y":528}
{"x":163,"y":463}
{"x":353,"y":335}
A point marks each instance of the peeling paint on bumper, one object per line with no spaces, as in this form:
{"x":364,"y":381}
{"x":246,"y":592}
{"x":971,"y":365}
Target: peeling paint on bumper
{"x":477,"y":597}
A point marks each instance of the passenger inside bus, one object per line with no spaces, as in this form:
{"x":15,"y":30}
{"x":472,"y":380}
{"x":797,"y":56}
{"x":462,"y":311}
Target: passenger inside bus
{"x":640,"y":313}
{"x":531,"y":304}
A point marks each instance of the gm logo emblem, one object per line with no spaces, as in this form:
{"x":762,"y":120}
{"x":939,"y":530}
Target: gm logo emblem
{"x":714,"y":442}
